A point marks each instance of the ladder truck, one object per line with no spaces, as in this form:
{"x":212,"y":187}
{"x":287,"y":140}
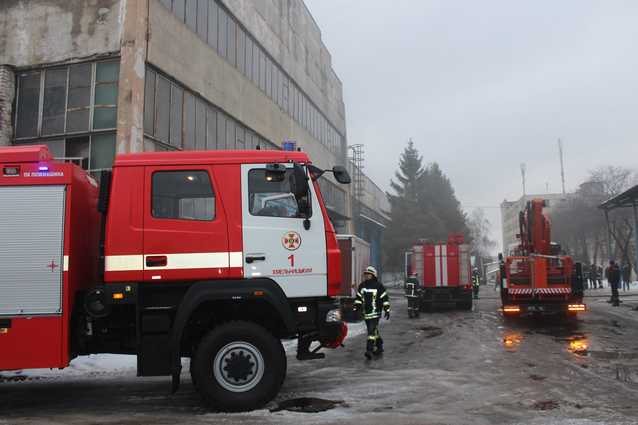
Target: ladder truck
{"x":535,"y":278}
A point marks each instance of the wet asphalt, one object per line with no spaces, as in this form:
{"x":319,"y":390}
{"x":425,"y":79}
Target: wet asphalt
{"x":446,"y":367}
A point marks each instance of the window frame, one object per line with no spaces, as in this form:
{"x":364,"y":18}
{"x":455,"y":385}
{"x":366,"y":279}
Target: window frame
{"x":179,"y":170}
{"x":288,"y":171}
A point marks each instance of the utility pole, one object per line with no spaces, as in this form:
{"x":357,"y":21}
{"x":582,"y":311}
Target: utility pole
{"x":523,"y":170}
{"x":562,"y":164}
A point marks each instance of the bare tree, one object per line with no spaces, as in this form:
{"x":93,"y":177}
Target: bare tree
{"x":580,"y":226}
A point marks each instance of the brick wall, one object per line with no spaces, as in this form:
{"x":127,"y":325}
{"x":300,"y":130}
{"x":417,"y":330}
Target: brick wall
{"x":7,"y":94}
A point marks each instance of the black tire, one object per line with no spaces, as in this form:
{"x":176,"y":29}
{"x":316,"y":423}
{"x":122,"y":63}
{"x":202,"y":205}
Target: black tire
{"x":465,"y":305}
{"x":257,"y":377}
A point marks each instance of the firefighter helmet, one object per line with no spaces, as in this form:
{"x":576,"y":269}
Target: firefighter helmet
{"x":371,"y":271}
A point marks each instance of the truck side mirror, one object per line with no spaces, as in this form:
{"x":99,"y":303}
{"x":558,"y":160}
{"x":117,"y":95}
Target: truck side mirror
{"x":341,"y":174}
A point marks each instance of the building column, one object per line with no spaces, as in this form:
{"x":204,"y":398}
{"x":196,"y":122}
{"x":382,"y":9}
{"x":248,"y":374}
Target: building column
{"x":7,"y":95}
{"x":130,"y":104}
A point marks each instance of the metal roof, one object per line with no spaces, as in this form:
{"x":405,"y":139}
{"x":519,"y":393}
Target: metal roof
{"x":628,"y":198}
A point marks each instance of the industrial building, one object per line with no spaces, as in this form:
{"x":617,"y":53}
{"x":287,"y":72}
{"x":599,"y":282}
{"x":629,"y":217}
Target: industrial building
{"x":92,"y":78}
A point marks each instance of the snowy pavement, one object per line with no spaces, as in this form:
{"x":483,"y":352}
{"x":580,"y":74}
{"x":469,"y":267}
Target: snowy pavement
{"x":448,"y":367}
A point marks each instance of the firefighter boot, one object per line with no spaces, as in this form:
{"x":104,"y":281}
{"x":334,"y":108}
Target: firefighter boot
{"x":370,"y":347}
{"x":379,"y":349}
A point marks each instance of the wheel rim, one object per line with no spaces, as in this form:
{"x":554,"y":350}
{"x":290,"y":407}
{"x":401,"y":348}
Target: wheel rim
{"x":238,"y":367}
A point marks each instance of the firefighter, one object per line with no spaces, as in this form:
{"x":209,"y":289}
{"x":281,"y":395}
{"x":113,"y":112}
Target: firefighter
{"x":372,"y":299}
{"x":412,"y":293}
{"x":476,"y":282}
{"x":613,"y":277}
{"x":599,"y":276}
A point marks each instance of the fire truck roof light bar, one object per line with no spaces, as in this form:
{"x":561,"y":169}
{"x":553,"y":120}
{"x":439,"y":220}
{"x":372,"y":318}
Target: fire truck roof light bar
{"x":511,"y":309}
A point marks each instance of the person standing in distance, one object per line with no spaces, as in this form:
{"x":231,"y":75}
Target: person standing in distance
{"x":613,"y":277}
{"x":372,"y":299}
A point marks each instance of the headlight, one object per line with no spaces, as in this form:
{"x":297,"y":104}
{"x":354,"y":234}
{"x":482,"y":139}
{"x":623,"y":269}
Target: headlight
{"x":333,"y":316}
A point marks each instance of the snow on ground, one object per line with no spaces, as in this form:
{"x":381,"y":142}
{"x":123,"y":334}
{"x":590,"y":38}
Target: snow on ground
{"x":100,"y":364}
{"x":83,"y":366}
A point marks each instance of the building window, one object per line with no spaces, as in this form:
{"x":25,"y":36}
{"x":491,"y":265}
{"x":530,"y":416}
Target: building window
{"x":178,"y":117}
{"x":105,"y":106}
{"x":68,"y":109}
{"x":78,"y":108}
{"x":183,"y":195}
{"x":93,"y":152}
{"x":28,"y":105}
{"x":269,"y":197}
{"x":213,"y":23}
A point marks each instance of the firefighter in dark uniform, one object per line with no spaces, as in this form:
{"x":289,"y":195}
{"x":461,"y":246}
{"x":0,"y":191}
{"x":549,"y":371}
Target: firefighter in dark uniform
{"x":372,"y":299}
{"x":412,"y":293}
{"x":476,"y":282}
{"x":613,"y":277}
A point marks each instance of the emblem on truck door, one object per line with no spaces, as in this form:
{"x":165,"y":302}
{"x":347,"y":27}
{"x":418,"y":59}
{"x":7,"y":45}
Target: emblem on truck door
{"x":291,"y":240}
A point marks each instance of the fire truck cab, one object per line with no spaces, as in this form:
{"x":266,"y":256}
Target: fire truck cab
{"x":216,"y":256}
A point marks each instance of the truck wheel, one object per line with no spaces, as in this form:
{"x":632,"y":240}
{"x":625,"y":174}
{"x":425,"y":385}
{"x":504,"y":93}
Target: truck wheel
{"x":238,"y":366}
{"x":465,"y":305}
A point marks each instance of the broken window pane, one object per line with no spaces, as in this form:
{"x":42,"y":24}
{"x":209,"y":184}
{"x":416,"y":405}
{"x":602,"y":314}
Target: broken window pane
{"x":54,"y":101}
{"x":177,"y":99}
{"x":28,"y":105}
{"x":77,"y":148}
{"x":102,"y":151}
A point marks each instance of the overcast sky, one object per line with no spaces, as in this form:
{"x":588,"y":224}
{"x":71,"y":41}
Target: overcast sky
{"x":482,"y":86}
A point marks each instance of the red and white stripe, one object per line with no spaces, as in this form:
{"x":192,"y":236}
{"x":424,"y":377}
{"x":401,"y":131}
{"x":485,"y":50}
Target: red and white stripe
{"x":528,"y":291}
{"x":440,"y":264}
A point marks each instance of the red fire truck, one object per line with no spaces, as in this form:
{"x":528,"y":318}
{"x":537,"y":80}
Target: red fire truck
{"x":216,"y":256}
{"x":443,"y":269}
{"x":535,"y":277}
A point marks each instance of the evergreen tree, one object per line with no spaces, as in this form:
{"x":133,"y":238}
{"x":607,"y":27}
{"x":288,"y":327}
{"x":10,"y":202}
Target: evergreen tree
{"x":424,"y":206}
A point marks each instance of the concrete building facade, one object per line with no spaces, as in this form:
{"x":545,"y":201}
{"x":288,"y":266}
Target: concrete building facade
{"x":510,"y":215}
{"x":90,"y":78}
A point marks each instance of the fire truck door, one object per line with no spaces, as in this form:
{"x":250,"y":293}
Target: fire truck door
{"x":276,"y":243}
{"x":185,"y":226}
